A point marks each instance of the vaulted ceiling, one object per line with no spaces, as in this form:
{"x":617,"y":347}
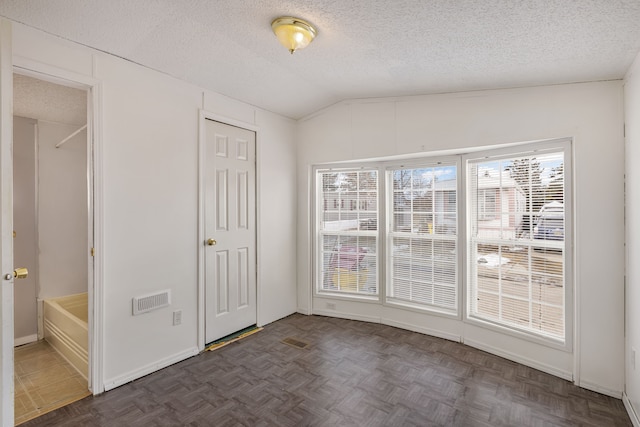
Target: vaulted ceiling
{"x":365,"y":48}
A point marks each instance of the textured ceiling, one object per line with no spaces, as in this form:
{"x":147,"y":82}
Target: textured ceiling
{"x":37,"y":99}
{"x":365,"y":48}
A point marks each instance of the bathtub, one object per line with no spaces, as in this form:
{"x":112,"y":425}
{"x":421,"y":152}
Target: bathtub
{"x":66,"y":330}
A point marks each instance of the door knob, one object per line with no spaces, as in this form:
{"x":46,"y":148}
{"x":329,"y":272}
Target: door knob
{"x":211,"y":242}
{"x":20,"y":273}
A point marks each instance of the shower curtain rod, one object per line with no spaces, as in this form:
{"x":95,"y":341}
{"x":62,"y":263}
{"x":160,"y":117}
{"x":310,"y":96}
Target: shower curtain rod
{"x":70,"y":136}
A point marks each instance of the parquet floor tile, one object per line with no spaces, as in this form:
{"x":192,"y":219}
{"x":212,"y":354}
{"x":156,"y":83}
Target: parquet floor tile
{"x":351,"y":374}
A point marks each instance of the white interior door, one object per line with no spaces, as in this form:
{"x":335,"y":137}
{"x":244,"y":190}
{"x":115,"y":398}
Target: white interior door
{"x":6,"y":224}
{"x":230,"y":229}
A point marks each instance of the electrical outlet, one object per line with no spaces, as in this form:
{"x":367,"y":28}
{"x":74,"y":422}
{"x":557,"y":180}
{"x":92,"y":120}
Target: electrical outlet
{"x":331,"y":306}
{"x":177,"y":317}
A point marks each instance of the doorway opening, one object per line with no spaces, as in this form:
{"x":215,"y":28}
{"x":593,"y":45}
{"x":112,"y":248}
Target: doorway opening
{"x":53,"y":237}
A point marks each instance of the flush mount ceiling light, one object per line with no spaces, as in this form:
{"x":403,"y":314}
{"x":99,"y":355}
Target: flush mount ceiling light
{"x":293,"y":33}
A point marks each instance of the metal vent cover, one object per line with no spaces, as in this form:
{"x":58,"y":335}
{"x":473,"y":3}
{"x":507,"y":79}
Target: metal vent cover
{"x":293,"y":342}
{"x":150,"y":302}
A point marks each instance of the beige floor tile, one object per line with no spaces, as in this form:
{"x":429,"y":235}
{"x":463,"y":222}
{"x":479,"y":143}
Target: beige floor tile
{"x":51,"y":374}
{"x":35,"y":349}
{"x":24,"y":403}
{"x":43,"y":381}
{"x":42,"y":360}
{"x":57,"y":392}
{"x":25,"y":407}
{"x":31,"y":366}
{"x":18,"y":386}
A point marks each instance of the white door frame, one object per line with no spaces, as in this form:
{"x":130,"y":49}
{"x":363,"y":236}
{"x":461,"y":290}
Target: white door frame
{"x":6,"y":208}
{"x":203,"y":116}
{"x":53,"y":74}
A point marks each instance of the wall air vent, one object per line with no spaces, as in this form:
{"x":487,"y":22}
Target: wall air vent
{"x":150,"y":302}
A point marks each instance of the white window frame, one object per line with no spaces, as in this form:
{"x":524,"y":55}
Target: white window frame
{"x":317,"y":233}
{"x":565,"y":145}
{"x":385,"y":200}
{"x":463,"y":215}
{"x":424,"y":162}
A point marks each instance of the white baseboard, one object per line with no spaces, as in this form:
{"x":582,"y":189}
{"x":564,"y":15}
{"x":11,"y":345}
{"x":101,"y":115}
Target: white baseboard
{"x":599,"y":389}
{"x":520,"y":359}
{"x":452,"y":337}
{"x":632,"y":413}
{"x":148,"y":369}
{"x":348,"y":316}
{"x":421,"y":330}
{"x":25,"y":340}
{"x":388,"y":322}
{"x":304,"y":311}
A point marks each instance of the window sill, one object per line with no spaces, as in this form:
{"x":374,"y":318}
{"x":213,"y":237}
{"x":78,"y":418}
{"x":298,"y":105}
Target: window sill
{"x":519,"y":333}
{"x":431,"y":310}
{"x":347,"y":296}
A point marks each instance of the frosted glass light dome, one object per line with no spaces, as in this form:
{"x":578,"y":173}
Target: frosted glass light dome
{"x":293,"y":33}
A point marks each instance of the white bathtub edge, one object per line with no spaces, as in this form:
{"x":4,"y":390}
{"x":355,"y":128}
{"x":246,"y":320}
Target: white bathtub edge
{"x":150,"y":368}
{"x":66,"y":333}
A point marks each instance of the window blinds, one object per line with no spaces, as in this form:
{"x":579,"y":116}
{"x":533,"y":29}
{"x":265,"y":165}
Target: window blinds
{"x":422,"y":237}
{"x":517,"y":252}
{"x":347,"y":231}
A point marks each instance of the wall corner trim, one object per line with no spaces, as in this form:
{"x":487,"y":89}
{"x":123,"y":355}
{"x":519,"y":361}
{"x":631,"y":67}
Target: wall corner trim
{"x":150,"y":368}
{"x":630,"y":410}
{"x":617,"y":394}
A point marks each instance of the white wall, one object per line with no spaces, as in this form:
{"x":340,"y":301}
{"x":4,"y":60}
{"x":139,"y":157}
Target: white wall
{"x":632,"y":157}
{"x":24,"y":224}
{"x":62,"y":211}
{"x":150,"y":212}
{"x":277,"y":217}
{"x":589,"y":113}
{"x":150,"y":179}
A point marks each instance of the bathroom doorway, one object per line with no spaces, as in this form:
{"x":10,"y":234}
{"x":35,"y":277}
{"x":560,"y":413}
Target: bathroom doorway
{"x":53,"y":225}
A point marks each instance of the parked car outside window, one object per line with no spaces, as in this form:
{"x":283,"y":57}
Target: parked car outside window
{"x":550,"y":222}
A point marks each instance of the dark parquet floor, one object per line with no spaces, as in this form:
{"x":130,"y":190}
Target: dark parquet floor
{"x":351,"y":374}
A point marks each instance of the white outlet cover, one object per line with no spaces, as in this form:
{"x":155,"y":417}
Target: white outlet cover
{"x":177,"y":317}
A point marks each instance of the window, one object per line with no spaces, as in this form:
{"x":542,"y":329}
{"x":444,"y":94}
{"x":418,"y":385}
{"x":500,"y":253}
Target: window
{"x":399,"y":226}
{"x":347,"y":231}
{"x":517,"y":256}
{"x":422,"y":237}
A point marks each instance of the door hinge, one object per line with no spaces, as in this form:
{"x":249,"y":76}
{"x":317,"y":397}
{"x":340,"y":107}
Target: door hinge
{"x":93,"y":252}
